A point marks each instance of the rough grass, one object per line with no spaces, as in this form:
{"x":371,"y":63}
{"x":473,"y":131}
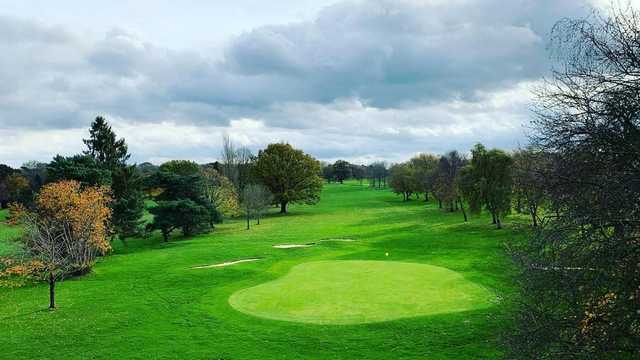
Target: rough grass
{"x":361,"y":291}
{"x":145,"y":302}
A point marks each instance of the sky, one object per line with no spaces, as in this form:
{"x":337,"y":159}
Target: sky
{"x":355,"y":80}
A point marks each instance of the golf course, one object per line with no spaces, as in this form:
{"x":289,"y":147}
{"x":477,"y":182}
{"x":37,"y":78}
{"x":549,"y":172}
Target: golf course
{"x":375,"y":277}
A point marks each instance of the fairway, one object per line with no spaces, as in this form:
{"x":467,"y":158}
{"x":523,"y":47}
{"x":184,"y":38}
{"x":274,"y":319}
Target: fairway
{"x":356,"y":292}
{"x":434,"y":296}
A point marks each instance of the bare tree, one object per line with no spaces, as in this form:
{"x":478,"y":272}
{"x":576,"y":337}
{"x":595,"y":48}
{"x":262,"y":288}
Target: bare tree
{"x":236,"y":163}
{"x":256,"y":199}
{"x":580,"y":276}
{"x":230,"y":161}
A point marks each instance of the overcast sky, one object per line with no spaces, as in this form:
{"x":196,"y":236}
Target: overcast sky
{"x":359,"y":80}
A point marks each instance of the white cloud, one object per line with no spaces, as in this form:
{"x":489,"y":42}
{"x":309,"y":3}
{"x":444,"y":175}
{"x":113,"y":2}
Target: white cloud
{"x":377,"y":79}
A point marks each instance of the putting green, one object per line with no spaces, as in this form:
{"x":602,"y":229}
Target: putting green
{"x":356,"y":292}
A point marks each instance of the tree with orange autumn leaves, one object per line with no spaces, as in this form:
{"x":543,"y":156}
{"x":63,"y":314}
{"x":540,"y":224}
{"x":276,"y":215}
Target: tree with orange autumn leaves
{"x":67,"y":230}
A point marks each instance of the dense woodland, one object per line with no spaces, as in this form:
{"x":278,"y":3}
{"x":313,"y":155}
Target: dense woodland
{"x":577,"y":183}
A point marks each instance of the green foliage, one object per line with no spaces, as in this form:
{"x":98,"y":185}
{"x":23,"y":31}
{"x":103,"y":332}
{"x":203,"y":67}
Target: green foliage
{"x":424,"y":171}
{"x":341,"y":170}
{"x":82,"y":168}
{"x":291,"y":175}
{"x":18,"y":189}
{"x":403,"y":180}
{"x":219,"y":190}
{"x":488,"y":182}
{"x":182,"y":202}
{"x":528,"y":181}
{"x":185,"y":214}
{"x":327,"y":171}
{"x":128,"y":203}
{"x":5,"y":171}
{"x":36,"y":173}
{"x":444,"y":179}
{"x":104,"y":147}
{"x":180,"y":167}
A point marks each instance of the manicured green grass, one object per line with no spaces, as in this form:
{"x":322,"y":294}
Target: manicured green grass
{"x":361,"y":291}
{"x":146,"y":302}
{"x":8,"y":236}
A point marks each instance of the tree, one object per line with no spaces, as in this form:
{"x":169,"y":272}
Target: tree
{"x":67,"y":229}
{"x":236,"y":164}
{"x":220,"y":192}
{"x":444,"y":180}
{"x":128,"y":201}
{"x":147,"y":169}
{"x":291,"y":175}
{"x":579,"y":272}
{"x":181,"y":202}
{"x":378,"y":172}
{"x":327,"y":172}
{"x":402,"y":180}
{"x":490,"y":171}
{"x":341,"y":170}
{"x":18,"y":188}
{"x":256,"y":199}
{"x":111,"y":154}
{"x":190,"y":216}
{"x":104,"y":147}
{"x":82,"y":168}
{"x":36,"y":173}
{"x":5,"y":171}
{"x":180,"y":167}
{"x":424,"y":169}
{"x":358,"y":172}
{"x":528,"y":181}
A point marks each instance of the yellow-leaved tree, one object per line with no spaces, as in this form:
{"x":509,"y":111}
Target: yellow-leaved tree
{"x":221,"y":192}
{"x":67,"y":230}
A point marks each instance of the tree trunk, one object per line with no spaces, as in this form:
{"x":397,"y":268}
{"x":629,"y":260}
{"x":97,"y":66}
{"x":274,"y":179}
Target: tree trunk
{"x":283,"y":207}
{"x":52,"y":291}
{"x":165,"y":236}
{"x":426,"y":196}
{"x":493,"y":215}
{"x":439,"y":204}
{"x":534,"y":216}
{"x":498,"y":223}
{"x":464,"y":213}
{"x":248,"y":223}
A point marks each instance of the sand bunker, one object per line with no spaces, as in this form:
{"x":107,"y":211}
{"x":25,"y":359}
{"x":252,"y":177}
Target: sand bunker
{"x":228,"y":263}
{"x":292,"y":246}
{"x":338,"y":240}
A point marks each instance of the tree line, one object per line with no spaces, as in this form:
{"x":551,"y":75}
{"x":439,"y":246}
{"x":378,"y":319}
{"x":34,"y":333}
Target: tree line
{"x":491,"y":179}
{"x":73,"y":207}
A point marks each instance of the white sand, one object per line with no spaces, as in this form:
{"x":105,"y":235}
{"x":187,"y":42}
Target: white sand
{"x":228,"y":263}
{"x":291,"y":246}
{"x":338,"y":239}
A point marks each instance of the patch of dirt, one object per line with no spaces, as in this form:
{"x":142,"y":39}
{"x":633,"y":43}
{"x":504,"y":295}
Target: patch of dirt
{"x":228,"y":263}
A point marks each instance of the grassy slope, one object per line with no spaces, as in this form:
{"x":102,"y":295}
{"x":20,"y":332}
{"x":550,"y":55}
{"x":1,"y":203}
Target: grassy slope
{"x":145,"y":302}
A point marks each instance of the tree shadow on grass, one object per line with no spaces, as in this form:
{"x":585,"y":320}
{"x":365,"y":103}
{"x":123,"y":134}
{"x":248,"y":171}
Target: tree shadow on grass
{"x":25,"y":314}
